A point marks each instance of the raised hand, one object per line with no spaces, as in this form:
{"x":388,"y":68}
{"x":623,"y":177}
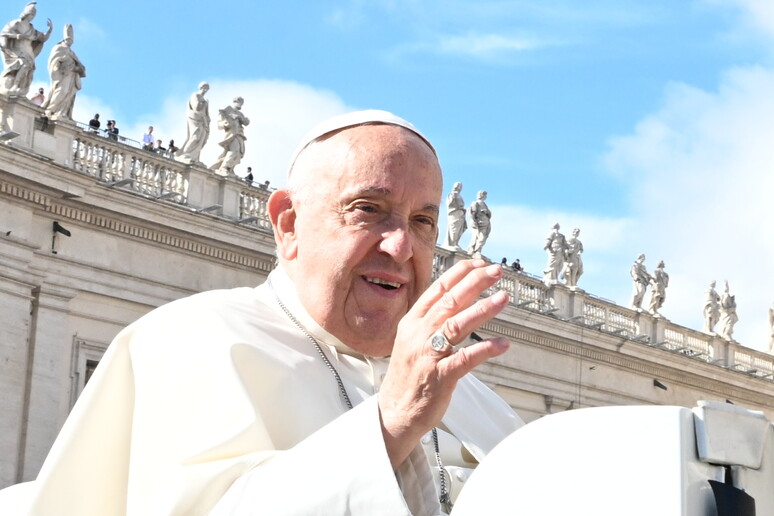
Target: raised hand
{"x":420,"y":380}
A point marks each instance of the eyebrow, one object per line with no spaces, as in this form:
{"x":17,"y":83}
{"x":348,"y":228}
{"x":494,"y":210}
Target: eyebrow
{"x":380,"y":190}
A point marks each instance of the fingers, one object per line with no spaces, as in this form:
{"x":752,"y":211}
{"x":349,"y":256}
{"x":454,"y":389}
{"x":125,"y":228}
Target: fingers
{"x":458,"y":364}
{"x":459,"y":326}
{"x":456,"y":289}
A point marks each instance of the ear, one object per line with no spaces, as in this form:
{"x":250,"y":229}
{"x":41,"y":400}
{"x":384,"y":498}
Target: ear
{"x":283,"y":219}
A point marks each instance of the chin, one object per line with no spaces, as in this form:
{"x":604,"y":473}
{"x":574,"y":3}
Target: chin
{"x":366,"y":343}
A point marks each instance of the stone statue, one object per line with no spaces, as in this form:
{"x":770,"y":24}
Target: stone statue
{"x":573,"y":264}
{"x":233,"y":122}
{"x":480,"y":224}
{"x":641,"y":279}
{"x":556,"y":246}
{"x":728,"y":317}
{"x":197,"y":130}
{"x":66,"y":71}
{"x":456,"y":210}
{"x":711,"y":309}
{"x":20,"y":44}
{"x":660,"y":282}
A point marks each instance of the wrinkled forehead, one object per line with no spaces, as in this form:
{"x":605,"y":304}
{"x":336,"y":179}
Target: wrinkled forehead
{"x":350,"y":120}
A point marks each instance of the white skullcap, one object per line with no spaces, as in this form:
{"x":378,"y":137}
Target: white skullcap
{"x":352,"y":119}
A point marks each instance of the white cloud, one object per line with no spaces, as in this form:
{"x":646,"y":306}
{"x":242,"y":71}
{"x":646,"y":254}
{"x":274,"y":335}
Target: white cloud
{"x":520,"y":232}
{"x":280,"y":113}
{"x":758,"y":14}
{"x":485,"y":47}
{"x":700,"y":175}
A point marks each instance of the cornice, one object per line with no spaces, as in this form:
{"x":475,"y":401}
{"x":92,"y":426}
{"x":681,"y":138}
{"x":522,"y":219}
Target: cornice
{"x":114,"y":224}
{"x":758,"y":391}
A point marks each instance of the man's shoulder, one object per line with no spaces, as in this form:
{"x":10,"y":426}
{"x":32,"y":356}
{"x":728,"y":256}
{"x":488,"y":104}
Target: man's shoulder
{"x":217,"y":318}
{"x":208,"y":307}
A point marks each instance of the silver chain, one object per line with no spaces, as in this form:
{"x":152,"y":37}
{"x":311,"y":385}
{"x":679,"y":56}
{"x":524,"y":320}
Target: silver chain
{"x":444,"y":498}
{"x":342,"y":390}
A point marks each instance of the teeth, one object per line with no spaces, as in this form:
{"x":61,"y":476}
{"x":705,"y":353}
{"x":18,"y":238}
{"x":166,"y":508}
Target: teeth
{"x":384,"y":283}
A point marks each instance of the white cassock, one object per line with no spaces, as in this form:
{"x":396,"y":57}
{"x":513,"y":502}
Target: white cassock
{"x":218,"y":403}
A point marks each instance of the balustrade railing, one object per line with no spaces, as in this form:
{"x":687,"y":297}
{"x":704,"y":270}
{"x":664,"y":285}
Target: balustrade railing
{"x":754,"y":363}
{"x":101,"y":159}
{"x":575,"y":306}
{"x":158,"y":177}
{"x":161,"y":177}
{"x":253,"y":207}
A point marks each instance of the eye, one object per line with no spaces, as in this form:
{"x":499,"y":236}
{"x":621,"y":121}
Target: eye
{"x":363,"y":212}
{"x":427,"y":221}
{"x":366,"y":208}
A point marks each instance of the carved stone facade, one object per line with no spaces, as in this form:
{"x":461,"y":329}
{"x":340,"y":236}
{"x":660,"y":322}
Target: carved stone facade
{"x":145,"y":230}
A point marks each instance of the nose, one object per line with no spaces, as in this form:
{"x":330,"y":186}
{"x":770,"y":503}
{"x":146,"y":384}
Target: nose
{"x":397,"y":243}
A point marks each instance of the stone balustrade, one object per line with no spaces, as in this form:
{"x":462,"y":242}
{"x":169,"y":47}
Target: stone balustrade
{"x":124,"y":165}
{"x":528,"y":292}
{"x":118,"y":164}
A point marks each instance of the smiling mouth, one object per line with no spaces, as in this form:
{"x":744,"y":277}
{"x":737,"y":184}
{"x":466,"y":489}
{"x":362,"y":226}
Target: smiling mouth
{"x":387,"y":285}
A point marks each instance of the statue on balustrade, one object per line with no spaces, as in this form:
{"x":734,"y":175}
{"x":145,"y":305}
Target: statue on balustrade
{"x":456,"y":211}
{"x":660,"y":282}
{"x":66,"y":71}
{"x":711,"y":309}
{"x":20,"y":44}
{"x":728,"y":317}
{"x":233,"y":122}
{"x":197,"y":129}
{"x":573,"y":263}
{"x":556,"y":246}
{"x":640,"y":279}
{"x":480,"y":224}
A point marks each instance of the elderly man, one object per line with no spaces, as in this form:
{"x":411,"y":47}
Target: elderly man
{"x":316,"y":392}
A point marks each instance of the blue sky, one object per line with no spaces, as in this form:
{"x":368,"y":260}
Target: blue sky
{"x":647,"y":124}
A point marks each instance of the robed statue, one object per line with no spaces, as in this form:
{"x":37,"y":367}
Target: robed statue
{"x":20,"y":44}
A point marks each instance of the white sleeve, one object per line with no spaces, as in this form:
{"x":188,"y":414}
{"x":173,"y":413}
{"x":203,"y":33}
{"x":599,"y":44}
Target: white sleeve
{"x":343,"y":468}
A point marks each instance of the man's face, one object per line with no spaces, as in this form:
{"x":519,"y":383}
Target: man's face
{"x":366,"y":232}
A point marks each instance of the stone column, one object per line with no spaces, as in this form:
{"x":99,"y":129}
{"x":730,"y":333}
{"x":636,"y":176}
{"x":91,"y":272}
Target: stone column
{"x":15,"y":319}
{"x":48,"y":399}
{"x":720,"y":354}
{"x":18,"y":115}
{"x":569,"y":301}
{"x":203,"y":188}
{"x":731,"y":348}
{"x":228,"y":195}
{"x":651,"y":326}
{"x":17,"y":282}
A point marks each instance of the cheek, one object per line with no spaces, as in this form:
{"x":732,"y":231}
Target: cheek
{"x":423,"y":267}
